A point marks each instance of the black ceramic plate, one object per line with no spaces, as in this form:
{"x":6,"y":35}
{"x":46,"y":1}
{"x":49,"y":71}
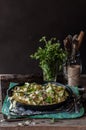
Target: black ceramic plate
{"x":44,"y":107}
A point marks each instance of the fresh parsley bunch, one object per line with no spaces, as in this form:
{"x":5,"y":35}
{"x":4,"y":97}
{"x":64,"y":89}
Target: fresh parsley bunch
{"x":51,"y":57}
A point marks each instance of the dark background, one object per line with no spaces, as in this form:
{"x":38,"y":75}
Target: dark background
{"x":24,"y":22}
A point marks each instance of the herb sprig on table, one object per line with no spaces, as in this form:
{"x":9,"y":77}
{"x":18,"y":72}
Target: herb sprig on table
{"x":50,"y":56}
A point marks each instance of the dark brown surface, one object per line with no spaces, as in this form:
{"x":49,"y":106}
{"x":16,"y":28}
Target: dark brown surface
{"x":23,"y":22}
{"x":44,"y":124}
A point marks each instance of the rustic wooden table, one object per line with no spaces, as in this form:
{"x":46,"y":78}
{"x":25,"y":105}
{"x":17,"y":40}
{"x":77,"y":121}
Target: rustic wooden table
{"x":43,"y":124}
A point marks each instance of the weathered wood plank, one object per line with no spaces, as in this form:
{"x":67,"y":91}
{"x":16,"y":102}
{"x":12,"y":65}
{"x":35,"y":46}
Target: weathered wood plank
{"x":43,"y":128}
{"x":43,"y":124}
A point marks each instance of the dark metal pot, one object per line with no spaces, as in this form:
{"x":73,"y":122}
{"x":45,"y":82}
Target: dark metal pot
{"x":44,"y":107}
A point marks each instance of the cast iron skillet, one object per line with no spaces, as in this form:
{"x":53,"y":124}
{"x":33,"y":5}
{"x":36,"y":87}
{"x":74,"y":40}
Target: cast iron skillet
{"x":44,"y":107}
